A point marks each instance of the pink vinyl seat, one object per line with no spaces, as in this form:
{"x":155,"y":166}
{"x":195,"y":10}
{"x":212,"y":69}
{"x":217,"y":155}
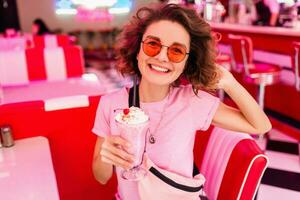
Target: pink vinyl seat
{"x":261,"y":74}
{"x":231,"y":162}
{"x":296,"y":64}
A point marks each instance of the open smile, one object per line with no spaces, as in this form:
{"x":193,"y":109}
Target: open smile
{"x":158,"y":68}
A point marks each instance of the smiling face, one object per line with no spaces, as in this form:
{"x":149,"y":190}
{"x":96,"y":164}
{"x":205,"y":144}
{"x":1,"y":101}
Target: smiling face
{"x":174,"y":41}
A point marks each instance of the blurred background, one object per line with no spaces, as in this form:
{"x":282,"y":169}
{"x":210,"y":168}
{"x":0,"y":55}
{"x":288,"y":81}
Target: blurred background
{"x":57,"y":58}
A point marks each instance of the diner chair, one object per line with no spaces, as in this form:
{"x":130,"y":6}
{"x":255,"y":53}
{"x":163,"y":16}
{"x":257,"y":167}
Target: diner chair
{"x":231,"y":162}
{"x":261,"y":74}
{"x":296,"y":64}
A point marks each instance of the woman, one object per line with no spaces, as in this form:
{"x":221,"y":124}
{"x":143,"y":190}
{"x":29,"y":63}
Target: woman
{"x":39,"y":27}
{"x":160,"y":45}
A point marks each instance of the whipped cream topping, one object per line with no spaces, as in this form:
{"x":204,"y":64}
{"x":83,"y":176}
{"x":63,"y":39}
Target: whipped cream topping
{"x":132,"y":116}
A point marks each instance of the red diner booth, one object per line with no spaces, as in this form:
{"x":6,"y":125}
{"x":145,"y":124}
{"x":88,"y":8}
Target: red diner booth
{"x":52,"y":83}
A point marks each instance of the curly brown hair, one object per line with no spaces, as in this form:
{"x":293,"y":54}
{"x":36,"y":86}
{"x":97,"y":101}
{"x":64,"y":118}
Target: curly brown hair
{"x":200,"y":69}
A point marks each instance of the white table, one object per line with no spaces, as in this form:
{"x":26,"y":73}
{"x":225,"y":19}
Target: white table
{"x":43,"y":90}
{"x":26,"y":171}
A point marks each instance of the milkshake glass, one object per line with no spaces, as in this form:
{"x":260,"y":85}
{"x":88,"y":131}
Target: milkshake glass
{"x":132,"y":124}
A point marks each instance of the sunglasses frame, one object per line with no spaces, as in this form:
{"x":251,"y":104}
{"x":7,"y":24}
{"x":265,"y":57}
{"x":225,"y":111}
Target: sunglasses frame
{"x":143,"y":42}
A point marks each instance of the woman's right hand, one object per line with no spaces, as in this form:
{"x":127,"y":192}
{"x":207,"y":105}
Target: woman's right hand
{"x":113,"y":151}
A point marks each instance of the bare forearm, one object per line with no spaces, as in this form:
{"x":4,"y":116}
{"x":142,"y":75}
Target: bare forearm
{"x":248,"y":107}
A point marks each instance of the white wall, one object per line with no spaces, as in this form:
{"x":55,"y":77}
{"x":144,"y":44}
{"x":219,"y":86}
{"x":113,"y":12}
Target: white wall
{"x":32,"y":9}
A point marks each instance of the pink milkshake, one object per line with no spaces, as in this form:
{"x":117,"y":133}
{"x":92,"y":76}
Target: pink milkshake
{"x":133,"y":124}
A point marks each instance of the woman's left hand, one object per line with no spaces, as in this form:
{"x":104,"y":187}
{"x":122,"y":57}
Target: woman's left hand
{"x":226,"y":79}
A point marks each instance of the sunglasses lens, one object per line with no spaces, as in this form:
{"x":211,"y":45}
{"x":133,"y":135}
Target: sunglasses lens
{"x":151,"y":47}
{"x":176,"y":53}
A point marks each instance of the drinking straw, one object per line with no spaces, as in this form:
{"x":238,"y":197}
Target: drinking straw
{"x":134,"y":91}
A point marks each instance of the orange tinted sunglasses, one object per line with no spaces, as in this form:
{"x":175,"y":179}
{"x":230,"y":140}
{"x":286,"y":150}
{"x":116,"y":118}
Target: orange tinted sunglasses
{"x":176,"y":52}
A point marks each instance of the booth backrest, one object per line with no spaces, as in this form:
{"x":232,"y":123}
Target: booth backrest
{"x":231,"y":162}
{"x":21,"y":67}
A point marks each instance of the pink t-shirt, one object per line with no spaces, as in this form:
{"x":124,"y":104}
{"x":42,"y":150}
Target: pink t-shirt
{"x":182,"y":114}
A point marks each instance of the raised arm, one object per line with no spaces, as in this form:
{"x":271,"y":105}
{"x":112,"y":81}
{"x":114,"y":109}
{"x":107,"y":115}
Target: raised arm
{"x":249,"y":118}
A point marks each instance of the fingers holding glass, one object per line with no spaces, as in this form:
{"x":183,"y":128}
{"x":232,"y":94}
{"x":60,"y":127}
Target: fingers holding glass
{"x":114,"y":152}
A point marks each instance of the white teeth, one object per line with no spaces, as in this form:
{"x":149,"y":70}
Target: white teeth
{"x":157,"y":68}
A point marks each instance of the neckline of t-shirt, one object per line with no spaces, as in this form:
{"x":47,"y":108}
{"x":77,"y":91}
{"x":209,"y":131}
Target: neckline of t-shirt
{"x":155,"y":103}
